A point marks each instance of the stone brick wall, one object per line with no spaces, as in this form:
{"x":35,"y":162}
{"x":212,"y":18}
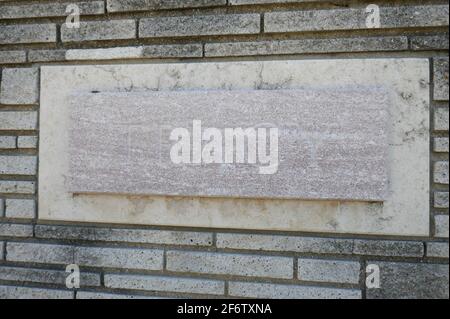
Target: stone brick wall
{"x":126,"y":261}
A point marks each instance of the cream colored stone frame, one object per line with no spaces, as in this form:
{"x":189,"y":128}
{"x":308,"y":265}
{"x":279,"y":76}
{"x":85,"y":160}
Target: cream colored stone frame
{"x":406,"y":212}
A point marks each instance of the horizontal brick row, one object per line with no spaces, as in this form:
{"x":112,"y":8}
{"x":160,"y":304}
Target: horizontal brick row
{"x":20,"y":208}
{"x":17,"y":187}
{"x":13,"y":292}
{"x":16,"y":230}
{"x":270,"y":243}
{"x":19,"y":86}
{"x":145,"y":5}
{"x":13,"y":142}
{"x":20,"y":121}
{"x":54,"y":9}
{"x":437,"y":250}
{"x":46,"y":276}
{"x":127,"y":258}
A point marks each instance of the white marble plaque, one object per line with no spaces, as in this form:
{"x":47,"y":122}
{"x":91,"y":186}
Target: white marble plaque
{"x":327,"y":143}
{"x":404,"y":210}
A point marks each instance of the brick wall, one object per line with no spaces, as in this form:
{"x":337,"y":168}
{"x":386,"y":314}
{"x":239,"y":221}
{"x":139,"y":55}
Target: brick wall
{"x":126,"y":261}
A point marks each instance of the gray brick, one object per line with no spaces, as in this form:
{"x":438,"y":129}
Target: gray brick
{"x":16,"y":230}
{"x":276,"y":291}
{"x":441,"y":199}
{"x":388,"y":248}
{"x":173,"y":51}
{"x":103,"y":295}
{"x":336,"y":271}
{"x":9,"y":292}
{"x":125,"y":235}
{"x":411,"y":281}
{"x":441,"y":226}
{"x":7,"y":57}
{"x":27,"y":141}
{"x":437,"y":250}
{"x":285,"y":243}
{"x":199,"y":25}
{"x":54,"y":9}
{"x":2,"y":207}
{"x":8,"y":142}
{"x":40,"y":253}
{"x":440,"y":66}
{"x":441,"y":119}
{"x":440,"y":172}
{"x":440,"y":145}
{"x":334,"y":45}
{"x":20,"y":86}
{"x":20,"y":208}
{"x":21,"y":121}
{"x":429,"y":42}
{"x":18,"y":165}
{"x":158,"y":283}
{"x":100,"y":30}
{"x":17,"y":187}
{"x":27,"y":33}
{"x":355,"y":18}
{"x":145,"y":5}
{"x":230,"y":264}
{"x":2,"y":253}
{"x":56,"y":277}
{"x":46,"y":55}
{"x":146,"y":259}
{"x":247,"y":2}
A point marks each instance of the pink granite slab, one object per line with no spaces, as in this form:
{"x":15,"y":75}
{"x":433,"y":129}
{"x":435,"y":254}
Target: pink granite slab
{"x":332,"y":143}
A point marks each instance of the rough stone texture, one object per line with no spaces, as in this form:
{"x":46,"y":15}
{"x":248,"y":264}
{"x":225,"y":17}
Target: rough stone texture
{"x":151,"y":51}
{"x":46,"y":55}
{"x":104,"y":54}
{"x":388,"y":248}
{"x":306,"y":46}
{"x":8,"y":142}
{"x":173,"y":51}
{"x":411,"y":281}
{"x":27,"y":33}
{"x":7,"y":57}
{"x":404,"y":213}
{"x":20,"y":208}
{"x":320,"y":270}
{"x":429,"y":42}
{"x":18,"y":120}
{"x":19,"y":86}
{"x":146,"y":236}
{"x":108,"y":296}
{"x":55,"y":277}
{"x":16,"y":230}
{"x":441,"y":119}
{"x":17,"y":187}
{"x":276,"y":291}
{"x":2,"y":207}
{"x":285,"y":243}
{"x":441,"y":199}
{"x":148,"y":259}
{"x":10,"y":292}
{"x":440,"y":66}
{"x":2,"y":253}
{"x":437,"y":250}
{"x":348,"y":162}
{"x":441,"y":145}
{"x":230,"y":264}
{"x":18,"y":165}
{"x":144,"y":5}
{"x":440,"y":173}
{"x":199,"y":25}
{"x":441,"y":225}
{"x":157,"y":283}
{"x":53,"y":9}
{"x":355,"y":18}
{"x":100,"y":30}
{"x":27,"y":142}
